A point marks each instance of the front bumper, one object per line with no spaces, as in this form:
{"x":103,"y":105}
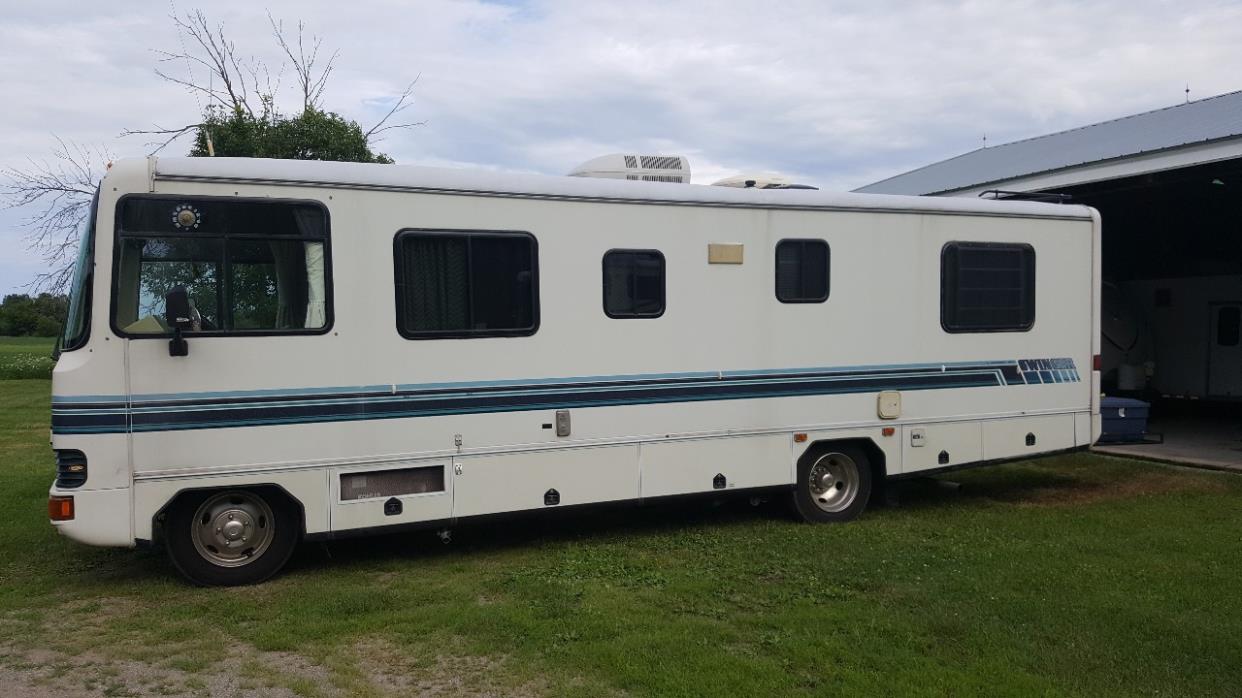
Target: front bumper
{"x":101,"y":517}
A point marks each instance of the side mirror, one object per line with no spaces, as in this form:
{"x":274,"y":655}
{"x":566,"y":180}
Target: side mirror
{"x":178,"y":316}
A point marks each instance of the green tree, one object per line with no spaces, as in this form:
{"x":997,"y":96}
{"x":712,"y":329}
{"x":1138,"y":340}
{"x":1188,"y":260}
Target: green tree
{"x":311,"y":135}
{"x":40,"y":316}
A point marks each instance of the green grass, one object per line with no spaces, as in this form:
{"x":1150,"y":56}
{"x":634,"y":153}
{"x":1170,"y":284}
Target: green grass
{"x":26,"y":357}
{"x":1077,"y":575}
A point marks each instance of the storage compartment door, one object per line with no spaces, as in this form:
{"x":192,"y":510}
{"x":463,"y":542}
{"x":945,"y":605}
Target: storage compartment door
{"x":941,"y":445}
{"x":1027,"y":436}
{"x":545,"y":479}
{"x":703,"y":465}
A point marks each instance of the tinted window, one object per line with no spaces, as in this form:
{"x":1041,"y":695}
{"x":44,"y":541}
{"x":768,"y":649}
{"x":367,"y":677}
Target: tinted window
{"x":802,"y":271}
{"x":633,"y":284}
{"x":78,"y":319}
{"x":1228,"y":326}
{"x":246,"y":266}
{"x":452,"y":284}
{"x":987,"y":287}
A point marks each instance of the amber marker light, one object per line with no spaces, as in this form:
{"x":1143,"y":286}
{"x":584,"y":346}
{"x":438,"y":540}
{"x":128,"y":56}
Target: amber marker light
{"x":60,"y":508}
{"x":799,"y":438}
{"x":888,"y":431}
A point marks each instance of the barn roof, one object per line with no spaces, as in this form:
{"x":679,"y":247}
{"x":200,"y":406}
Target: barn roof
{"x":1201,"y":121}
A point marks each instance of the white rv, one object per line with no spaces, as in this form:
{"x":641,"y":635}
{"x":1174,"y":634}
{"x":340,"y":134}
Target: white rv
{"x":261,"y":352}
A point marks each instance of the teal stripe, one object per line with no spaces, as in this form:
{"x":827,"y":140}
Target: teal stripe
{"x":523,"y":408}
{"x":406,"y":399}
{"x":383,"y":389}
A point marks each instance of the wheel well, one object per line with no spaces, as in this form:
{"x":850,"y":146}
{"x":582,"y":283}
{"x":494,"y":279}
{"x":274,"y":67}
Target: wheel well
{"x":875,"y":455}
{"x":267,"y":490}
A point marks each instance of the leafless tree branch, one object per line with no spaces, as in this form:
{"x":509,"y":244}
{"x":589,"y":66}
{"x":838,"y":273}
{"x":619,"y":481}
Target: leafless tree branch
{"x":403,"y":102}
{"x":311,"y":82}
{"x":219,"y":57}
{"x":171,"y":133}
{"x":60,"y":190}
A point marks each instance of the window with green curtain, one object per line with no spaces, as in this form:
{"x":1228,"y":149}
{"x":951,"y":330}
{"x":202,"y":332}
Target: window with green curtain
{"x":459,"y":284}
{"x":802,"y":271}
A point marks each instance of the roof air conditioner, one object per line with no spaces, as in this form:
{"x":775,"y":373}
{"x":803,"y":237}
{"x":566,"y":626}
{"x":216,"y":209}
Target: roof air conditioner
{"x":642,"y":168}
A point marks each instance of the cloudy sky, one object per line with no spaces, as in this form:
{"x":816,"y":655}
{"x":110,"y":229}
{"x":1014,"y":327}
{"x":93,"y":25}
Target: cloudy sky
{"x":837,"y":94}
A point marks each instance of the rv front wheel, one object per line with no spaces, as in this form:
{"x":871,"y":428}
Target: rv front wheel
{"x":231,"y":537}
{"x":834,"y":484}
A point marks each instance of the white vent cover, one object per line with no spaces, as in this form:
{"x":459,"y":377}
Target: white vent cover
{"x":760,"y":181}
{"x":644,"y":168}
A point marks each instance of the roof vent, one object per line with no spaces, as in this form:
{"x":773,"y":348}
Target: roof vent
{"x":760,"y":181}
{"x":645,"y":168}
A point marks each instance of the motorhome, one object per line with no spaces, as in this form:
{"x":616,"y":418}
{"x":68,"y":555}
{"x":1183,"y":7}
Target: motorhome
{"x":260,"y":352}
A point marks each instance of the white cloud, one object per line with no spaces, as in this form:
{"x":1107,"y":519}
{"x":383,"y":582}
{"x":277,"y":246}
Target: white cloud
{"x":838,"y":94}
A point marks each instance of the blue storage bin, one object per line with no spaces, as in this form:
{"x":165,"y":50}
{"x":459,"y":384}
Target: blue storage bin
{"x":1125,"y":419}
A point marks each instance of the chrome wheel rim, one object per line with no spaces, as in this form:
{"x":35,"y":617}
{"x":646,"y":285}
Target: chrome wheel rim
{"x":833,"y":482}
{"x":232,"y":529}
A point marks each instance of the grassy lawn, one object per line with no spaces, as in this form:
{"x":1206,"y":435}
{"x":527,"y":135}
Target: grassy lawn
{"x":1072,"y":576}
{"x":26,"y":345}
{"x":26,"y":357}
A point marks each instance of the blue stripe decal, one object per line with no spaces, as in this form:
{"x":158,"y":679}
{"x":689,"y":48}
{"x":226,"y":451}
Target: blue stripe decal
{"x":224,"y":409}
{"x":387,"y":388}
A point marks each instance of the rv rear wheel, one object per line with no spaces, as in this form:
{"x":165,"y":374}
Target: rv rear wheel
{"x":834,"y":484}
{"x":230,"y":537}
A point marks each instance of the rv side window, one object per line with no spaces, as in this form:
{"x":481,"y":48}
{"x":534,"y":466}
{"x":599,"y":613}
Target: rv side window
{"x":987,"y":287}
{"x":634,"y":284}
{"x":802,"y":271}
{"x":249,"y":267}
{"x":466,"y":284}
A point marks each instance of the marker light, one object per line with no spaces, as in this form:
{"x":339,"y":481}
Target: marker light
{"x":60,"y":508}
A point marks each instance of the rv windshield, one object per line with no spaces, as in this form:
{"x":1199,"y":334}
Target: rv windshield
{"x":77,"y":322}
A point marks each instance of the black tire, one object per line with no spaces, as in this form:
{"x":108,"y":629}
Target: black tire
{"x":834,"y":484}
{"x":260,"y":516}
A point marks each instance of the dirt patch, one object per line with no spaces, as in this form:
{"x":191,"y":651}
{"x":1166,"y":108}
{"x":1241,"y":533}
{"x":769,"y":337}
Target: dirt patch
{"x":97,"y":659}
{"x":394,"y":672}
{"x":59,"y":675}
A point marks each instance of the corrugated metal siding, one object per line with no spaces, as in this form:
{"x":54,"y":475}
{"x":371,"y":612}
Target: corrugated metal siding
{"x":1185,"y":124}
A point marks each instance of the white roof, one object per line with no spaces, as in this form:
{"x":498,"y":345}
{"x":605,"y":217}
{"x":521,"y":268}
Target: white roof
{"x":483,"y":183}
{"x":1210,"y":120}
